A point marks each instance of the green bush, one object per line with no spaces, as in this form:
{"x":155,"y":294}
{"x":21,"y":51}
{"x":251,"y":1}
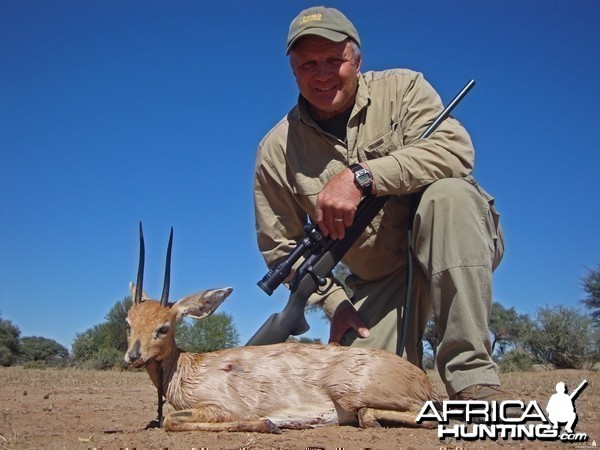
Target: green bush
{"x":103,"y":346}
{"x":104,"y":359}
{"x":215,"y":332}
{"x":7,"y":358}
{"x":9,"y":342}
{"x":561,"y":337}
{"x":39,"y":365}
{"x":516,"y":361}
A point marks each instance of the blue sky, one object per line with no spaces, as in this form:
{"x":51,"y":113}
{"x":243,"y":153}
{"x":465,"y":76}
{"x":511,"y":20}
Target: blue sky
{"x":114,"y":111}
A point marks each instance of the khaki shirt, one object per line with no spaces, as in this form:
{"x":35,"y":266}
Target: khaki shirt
{"x":297,"y":158}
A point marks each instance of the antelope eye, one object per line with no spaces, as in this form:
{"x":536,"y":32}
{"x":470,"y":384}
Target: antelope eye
{"x":128,"y":327}
{"x":163,"y":330}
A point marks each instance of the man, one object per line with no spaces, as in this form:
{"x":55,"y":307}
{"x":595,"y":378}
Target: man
{"x":354,"y":134}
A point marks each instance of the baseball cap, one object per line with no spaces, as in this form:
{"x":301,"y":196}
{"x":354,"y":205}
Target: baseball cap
{"x":321,"y":21}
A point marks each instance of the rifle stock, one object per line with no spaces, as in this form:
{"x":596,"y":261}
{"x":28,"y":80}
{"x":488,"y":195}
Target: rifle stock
{"x":325,"y":254}
{"x":280,"y":326}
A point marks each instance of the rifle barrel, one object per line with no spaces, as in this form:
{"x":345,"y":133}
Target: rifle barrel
{"x":448,"y":109}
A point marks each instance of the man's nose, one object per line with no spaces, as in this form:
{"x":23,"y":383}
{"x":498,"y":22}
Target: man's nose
{"x":322,"y":71}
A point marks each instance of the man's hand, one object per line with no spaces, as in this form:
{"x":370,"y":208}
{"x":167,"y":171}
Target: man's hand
{"x":343,"y":320}
{"x":337,"y":203}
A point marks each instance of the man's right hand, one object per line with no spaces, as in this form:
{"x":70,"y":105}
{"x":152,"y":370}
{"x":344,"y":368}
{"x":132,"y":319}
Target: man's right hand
{"x":336,"y":204}
{"x":343,"y":320}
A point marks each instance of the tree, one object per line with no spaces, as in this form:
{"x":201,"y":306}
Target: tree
{"x":9,"y":342}
{"x":103,"y":345}
{"x":562,"y":337}
{"x":591,"y":286}
{"x":516,"y":360}
{"x":507,"y":327}
{"x":213,"y":333}
{"x":93,"y":348}
{"x":116,"y":331}
{"x":35,"y":348}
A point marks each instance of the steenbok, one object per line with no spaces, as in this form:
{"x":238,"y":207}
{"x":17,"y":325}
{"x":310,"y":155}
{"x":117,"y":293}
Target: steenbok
{"x":264,"y":388}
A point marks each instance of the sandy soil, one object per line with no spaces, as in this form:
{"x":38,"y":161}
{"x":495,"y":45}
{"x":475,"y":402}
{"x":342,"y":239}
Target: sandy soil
{"x":88,"y":409}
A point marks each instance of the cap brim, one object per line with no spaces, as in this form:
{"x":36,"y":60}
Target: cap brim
{"x":324,"y":33}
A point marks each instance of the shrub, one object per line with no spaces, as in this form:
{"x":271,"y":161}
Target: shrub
{"x":516,"y":361}
{"x":104,"y":359}
{"x":561,"y":337}
{"x":9,"y":342}
{"x":39,"y":365}
{"x":7,"y":358}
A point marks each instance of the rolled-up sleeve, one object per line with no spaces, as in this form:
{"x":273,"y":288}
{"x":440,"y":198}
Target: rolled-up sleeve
{"x":416,"y":163}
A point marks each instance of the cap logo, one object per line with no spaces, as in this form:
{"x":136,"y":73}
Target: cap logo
{"x":310,"y":18}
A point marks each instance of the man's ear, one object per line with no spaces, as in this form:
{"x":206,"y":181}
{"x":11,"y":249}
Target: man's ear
{"x":202,"y":304}
{"x":358,"y":61}
{"x":293,"y":67}
{"x":357,"y":55}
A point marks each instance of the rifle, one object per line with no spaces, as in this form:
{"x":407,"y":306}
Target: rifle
{"x":322,"y":254}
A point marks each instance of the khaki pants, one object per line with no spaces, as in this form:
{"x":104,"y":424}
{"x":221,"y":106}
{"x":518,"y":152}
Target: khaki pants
{"x":457,"y":243}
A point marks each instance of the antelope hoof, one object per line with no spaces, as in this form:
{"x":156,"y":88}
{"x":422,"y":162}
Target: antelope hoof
{"x":367,"y":419}
{"x":270,"y":427}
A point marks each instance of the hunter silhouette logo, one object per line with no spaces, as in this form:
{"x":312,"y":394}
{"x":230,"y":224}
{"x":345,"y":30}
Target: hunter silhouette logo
{"x":510,"y":419}
{"x":561,"y":407}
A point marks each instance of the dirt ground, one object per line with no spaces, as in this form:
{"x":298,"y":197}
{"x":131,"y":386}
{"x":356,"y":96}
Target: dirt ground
{"x":87,"y":409}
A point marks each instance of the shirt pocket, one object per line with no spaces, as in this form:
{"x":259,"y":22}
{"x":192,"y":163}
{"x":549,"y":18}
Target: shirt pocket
{"x":384,"y":143}
{"x":310,"y":183}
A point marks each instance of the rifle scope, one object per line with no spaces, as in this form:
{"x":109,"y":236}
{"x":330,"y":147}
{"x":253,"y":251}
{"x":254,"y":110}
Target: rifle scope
{"x":311,"y":242}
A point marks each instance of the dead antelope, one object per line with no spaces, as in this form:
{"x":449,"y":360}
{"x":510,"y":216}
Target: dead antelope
{"x":264,"y":388}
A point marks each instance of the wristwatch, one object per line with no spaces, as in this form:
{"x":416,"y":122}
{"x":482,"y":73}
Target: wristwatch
{"x":363,"y":179}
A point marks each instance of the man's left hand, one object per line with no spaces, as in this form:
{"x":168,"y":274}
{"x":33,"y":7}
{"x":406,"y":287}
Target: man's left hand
{"x":346,"y":319}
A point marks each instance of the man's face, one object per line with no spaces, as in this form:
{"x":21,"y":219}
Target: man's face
{"x":326,"y":73}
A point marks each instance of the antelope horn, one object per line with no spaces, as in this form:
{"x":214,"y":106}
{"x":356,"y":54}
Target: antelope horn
{"x":165,"y":293}
{"x":140,"y":275}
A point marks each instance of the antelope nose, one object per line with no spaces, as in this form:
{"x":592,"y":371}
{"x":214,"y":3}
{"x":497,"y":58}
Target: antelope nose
{"x":134,"y":355}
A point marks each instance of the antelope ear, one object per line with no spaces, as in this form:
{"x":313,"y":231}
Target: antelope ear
{"x":132,"y":292}
{"x":202,"y":304}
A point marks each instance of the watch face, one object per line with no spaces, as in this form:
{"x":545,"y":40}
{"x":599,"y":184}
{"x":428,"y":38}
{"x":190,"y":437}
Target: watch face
{"x":363,"y":177}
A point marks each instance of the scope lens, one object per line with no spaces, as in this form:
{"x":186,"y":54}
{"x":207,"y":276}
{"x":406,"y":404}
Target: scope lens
{"x":265,"y":287}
